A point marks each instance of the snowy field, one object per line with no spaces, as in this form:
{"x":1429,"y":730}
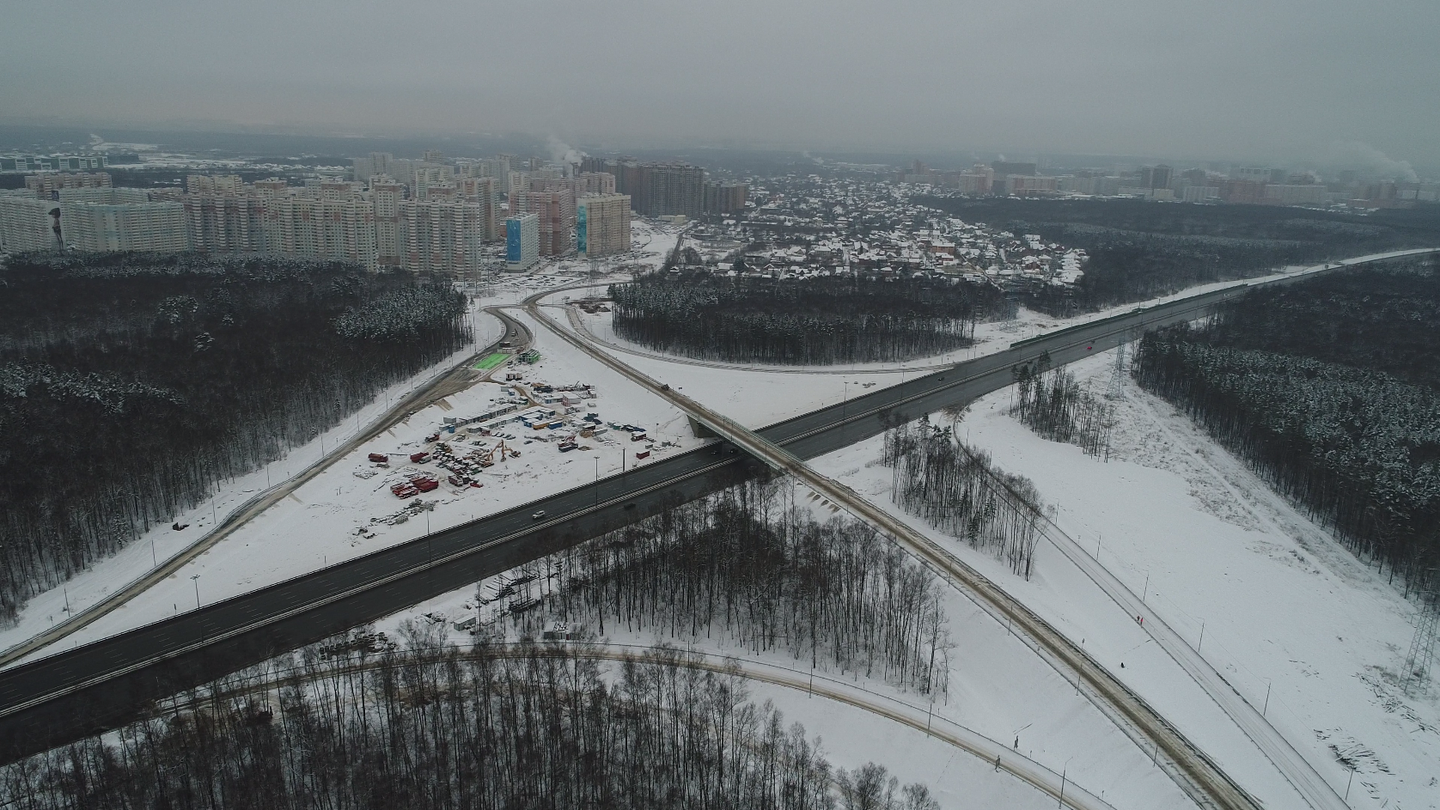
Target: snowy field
{"x":1290,"y":619}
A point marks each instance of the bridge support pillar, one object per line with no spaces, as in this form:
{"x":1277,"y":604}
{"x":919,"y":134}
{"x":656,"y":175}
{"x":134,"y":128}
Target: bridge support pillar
{"x":699,"y":429}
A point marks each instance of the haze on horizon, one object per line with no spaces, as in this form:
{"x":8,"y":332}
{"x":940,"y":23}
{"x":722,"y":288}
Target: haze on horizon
{"x":1320,"y":80}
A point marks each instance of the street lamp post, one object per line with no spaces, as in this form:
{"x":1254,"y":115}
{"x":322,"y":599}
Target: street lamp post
{"x":196,"y":579}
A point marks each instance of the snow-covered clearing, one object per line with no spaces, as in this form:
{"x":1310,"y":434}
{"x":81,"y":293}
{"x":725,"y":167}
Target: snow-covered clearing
{"x":1283,"y":608}
{"x":334,"y":516}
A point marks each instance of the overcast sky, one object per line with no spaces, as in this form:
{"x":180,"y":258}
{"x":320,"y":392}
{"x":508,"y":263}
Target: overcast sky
{"x":1241,"y":79}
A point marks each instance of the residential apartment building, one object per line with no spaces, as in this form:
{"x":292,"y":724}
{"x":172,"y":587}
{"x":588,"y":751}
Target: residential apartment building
{"x":725,"y":198}
{"x":46,"y":186}
{"x":26,"y":223}
{"x":121,"y":223}
{"x":376,"y":227}
{"x":655,"y":189}
{"x":602,"y":224}
{"x":442,"y":235}
{"x":53,"y":163}
{"x":522,"y":242}
{"x":555,"y":213}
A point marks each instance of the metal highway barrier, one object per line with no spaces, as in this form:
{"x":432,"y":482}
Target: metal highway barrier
{"x":75,"y":693}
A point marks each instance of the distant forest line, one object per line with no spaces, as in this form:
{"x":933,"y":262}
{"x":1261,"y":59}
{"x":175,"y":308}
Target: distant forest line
{"x":1330,"y":389}
{"x":820,"y":321}
{"x":1139,"y":250}
{"x":131,"y":384}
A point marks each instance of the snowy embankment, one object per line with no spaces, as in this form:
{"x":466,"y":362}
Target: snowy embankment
{"x":1293,"y":622}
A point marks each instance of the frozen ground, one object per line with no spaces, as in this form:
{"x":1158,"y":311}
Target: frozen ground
{"x":1284,"y":609}
{"x":334,"y":516}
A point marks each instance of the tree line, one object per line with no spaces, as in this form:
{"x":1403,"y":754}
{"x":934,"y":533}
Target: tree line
{"x":131,"y":384}
{"x":818,"y":321}
{"x":1359,"y":449}
{"x":959,"y":491}
{"x":428,"y":724}
{"x":1139,"y":250}
{"x":748,"y":566}
{"x":1382,"y":317}
{"x":1052,"y":404}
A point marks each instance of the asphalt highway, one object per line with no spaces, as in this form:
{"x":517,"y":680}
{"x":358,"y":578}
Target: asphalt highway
{"x":79,"y":692}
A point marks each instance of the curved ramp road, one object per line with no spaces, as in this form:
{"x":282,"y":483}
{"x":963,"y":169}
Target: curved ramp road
{"x":71,"y":694}
{"x":1193,"y":772}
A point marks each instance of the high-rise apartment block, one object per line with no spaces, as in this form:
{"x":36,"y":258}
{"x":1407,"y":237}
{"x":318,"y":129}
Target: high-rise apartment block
{"x":46,"y":186}
{"x":26,"y":222}
{"x":522,"y":242}
{"x":438,"y":222}
{"x":119,"y":219}
{"x":602,"y":224}
{"x":725,"y":198}
{"x":1154,"y":177}
{"x":555,"y":211}
{"x":595,"y":183}
{"x":655,"y":189}
{"x":377,"y":227}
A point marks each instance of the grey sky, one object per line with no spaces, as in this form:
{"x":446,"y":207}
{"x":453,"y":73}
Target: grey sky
{"x":1277,"y":79}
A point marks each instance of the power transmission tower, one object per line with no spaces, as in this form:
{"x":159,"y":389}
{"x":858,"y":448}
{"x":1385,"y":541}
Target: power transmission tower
{"x":1422,"y":646}
{"x":1117,"y":376}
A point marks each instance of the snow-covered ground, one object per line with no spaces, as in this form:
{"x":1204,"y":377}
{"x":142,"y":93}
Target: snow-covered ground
{"x":1292,"y":620}
{"x":990,"y":337}
{"x":332,"y":517}
{"x":162,"y":542}
{"x":997,"y":688}
{"x":651,"y":242}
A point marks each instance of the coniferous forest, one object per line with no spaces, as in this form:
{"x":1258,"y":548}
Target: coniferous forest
{"x":958,"y":490}
{"x":1330,"y":390}
{"x":427,"y":724}
{"x":1140,"y":250}
{"x":819,"y":321}
{"x":131,"y":384}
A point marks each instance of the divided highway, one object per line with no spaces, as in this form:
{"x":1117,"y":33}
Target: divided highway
{"x":75,"y":693}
